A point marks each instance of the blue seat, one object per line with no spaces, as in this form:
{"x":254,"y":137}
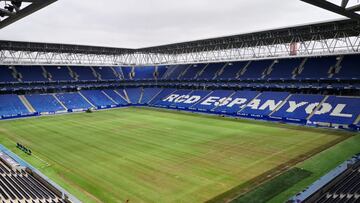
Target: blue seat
{"x":11,"y":105}
{"x":236,"y":102}
{"x":231,"y":70}
{"x":338,"y":110}
{"x":212,"y":101}
{"x":210,"y":71}
{"x":84,"y":73}
{"x":317,"y":68}
{"x":164,"y":93}
{"x":44,"y":103}
{"x":31,"y":73}
{"x":127,"y":72}
{"x":60,"y":73}
{"x":97,"y":98}
{"x":350,"y":67}
{"x":175,"y":71}
{"x":299,"y":106}
{"x":106,"y":73}
{"x":264,"y":104}
{"x":149,"y":94}
{"x":6,"y":75}
{"x":256,"y":69}
{"x":192,"y":72}
{"x":73,"y":101}
{"x":144,"y":73}
{"x":161,"y":70}
{"x":134,"y":94}
{"x":284,"y":69}
{"x":116,"y":97}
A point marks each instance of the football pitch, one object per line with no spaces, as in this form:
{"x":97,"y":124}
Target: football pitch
{"x":149,"y":155}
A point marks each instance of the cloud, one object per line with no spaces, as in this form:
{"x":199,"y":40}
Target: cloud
{"x":142,"y":23}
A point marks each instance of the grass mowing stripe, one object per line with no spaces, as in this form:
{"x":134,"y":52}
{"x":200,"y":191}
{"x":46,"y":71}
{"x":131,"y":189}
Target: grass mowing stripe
{"x":150,"y":155}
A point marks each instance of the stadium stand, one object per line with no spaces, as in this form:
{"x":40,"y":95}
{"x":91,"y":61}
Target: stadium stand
{"x":262,"y":89}
{"x":74,"y":101}
{"x":98,"y":98}
{"x":231,"y":70}
{"x":149,"y":94}
{"x":31,"y":74}
{"x":144,"y":73}
{"x":11,"y":104}
{"x":127,"y":73}
{"x":45,"y":103}
{"x":342,"y":184}
{"x":106,"y":73}
{"x":60,"y":73}
{"x":116,"y":97}
{"x":84,"y":73}
{"x":134,"y":95}
{"x":7,"y":75}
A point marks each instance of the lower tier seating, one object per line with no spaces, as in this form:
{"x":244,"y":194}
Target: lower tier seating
{"x":278,"y":106}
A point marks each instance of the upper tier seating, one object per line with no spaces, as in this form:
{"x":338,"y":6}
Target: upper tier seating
{"x":106,"y":73}
{"x":84,"y":73}
{"x":31,"y":73}
{"x":317,"y":68}
{"x":59,"y":73}
{"x":119,"y":73}
{"x":97,"y":98}
{"x":6,"y":75}
{"x":73,"y":101}
{"x":231,"y":70}
{"x":284,"y":69}
{"x":11,"y":104}
{"x":256,"y":69}
{"x":349,"y":68}
{"x":338,"y":110}
{"x":149,"y":94}
{"x":160,"y":73}
{"x":44,"y":103}
{"x":174,"y":72}
{"x":210,"y":71}
{"x":134,"y":95}
{"x":192,"y":71}
{"x":144,"y":73}
{"x":264,"y":104}
{"x":127,"y":73}
{"x":299,"y":106}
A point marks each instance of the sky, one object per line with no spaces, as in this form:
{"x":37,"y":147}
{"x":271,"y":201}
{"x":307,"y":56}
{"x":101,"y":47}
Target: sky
{"x":144,"y":23}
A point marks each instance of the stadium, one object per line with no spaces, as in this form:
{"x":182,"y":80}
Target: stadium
{"x":265,"y":116}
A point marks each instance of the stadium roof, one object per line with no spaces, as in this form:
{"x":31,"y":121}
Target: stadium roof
{"x":13,"y":16}
{"x":284,"y":35}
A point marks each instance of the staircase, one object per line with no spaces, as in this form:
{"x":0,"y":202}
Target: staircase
{"x":336,"y":68}
{"x":58,"y":100}
{"x":16,"y":74}
{"x":96,"y":74}
{"x":168,"y":72}
{"x":268,"y":70}
{"x":86,"y":99}
{"x":281,"y":105}
{"x":141,"y":95}
{"x":45,"y":73}
{"x":73,"y":74}
{"x":357,"y":121}
{"x":220,"y":71}
{"x":111,"y":99}
{"x":297,"y":71}
{"x":184,"y":72}
{"x":317,"y":108}
{"x":27,"y":104}
{"x":201,"y":72}
{"x":257,"y":96}
{"x":243,"y":70}
{"x":124,"y":98}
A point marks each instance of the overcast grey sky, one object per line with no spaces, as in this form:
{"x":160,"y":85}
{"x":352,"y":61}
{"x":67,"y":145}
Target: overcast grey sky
{"x":142,"y":23}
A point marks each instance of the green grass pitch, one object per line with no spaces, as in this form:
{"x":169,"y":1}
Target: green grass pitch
{"x":148,"y":155}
